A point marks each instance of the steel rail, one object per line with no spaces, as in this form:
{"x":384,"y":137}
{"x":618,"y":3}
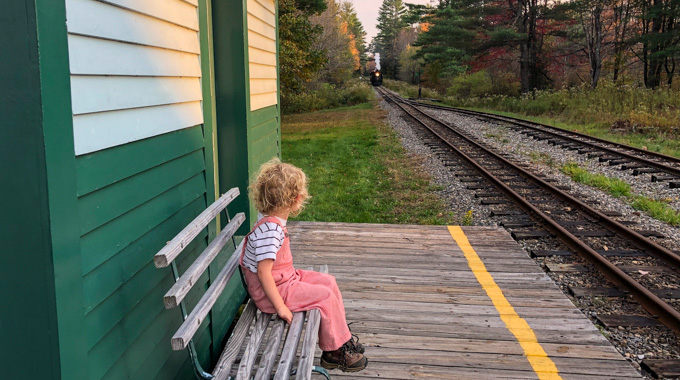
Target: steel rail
{"x":652,"y":303}
{"x":564,"y":134}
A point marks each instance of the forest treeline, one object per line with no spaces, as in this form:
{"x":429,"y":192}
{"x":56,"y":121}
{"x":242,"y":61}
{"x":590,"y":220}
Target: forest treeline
{"x":322,"y":53}
{"x":527,"y":45}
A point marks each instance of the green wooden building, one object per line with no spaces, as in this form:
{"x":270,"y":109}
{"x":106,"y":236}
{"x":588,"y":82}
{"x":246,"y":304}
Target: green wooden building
{"x":121,"y":121}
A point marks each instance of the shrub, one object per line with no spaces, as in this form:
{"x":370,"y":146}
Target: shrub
{"x":471,"y":85}
{"x":327,"y":96}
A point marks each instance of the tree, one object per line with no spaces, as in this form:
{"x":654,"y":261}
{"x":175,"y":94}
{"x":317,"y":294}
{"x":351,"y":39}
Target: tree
{"x":356,"y":33}
{"x":390,"y":23}
{"x":336,"y":42}
{"x":298,"y":61}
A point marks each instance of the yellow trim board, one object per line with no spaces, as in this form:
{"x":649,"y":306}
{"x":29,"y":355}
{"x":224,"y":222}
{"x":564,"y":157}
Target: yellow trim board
{"x":543,"y":366}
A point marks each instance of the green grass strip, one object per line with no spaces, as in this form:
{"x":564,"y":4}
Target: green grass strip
{"x":613,"y":186}
{"x":357,"y":169}
{"x":656,"y":209}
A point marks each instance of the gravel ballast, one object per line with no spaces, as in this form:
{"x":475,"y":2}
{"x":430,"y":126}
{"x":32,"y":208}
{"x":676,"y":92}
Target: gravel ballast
{"x":635,"y":344}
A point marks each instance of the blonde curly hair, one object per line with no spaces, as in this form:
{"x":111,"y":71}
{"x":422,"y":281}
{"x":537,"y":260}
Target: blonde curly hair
{"x":277,"y":186}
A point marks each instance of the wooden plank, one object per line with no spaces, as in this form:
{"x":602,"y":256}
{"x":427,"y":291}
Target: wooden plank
{"x":98,"y":170}
{"x":197,"y":316}
{"x":260,"y":42}
{"x":264,"y":9}
{"x":256,"y":336}
{"x":495,"y":361}
{"x":175,"y":246}
{"x":417,"y":372}
{"x":456,"y":299}
{"x":96,"y":56}
{"x":257,"y":71}
{"x":110,"y":93}
{"x":262,"y":27}
{"x":494,"y":347}
{"x":306,"y":362}
{"x":262,"y":86}
{"x":271,"y":349}
{"x":446,"y":289}
{"x":100,"y":207}
{"x":238,"y":336}
{"x":662,"y":368}
{"x":94,"y":132}
{"x":616,"y":320}
{"x":261,"y":57}
{"x":115,"y":274}
{"x":181,"y":288}
{"x":103,"y":243}
{"x":176,"y":12}
{"x":258,"y":101}
{"x":550,"y":334}
{"x":290,"y":347}
{"x":97,"y":19}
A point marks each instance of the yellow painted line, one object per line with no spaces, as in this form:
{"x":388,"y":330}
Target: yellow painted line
{"x":539,"y":360}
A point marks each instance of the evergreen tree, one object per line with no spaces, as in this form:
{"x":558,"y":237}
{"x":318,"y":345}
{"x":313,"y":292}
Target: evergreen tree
{"x":390,"y":23}
{"x":356,"y":32}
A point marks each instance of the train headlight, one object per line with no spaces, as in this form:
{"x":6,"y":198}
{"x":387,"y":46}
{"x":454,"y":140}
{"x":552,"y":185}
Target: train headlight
{"x":377,"y":74}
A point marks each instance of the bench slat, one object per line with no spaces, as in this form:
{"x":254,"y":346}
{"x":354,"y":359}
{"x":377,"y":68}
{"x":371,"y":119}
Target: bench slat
{"x":290,"y":347}
{"x":230,"y":353}
{"x":171,"y":250}
{"x":188,"y":328}
{"x":182,"y":287}
{"x":270,"y":350}
{"x":249,"y":357}
{"x":304,"y":370}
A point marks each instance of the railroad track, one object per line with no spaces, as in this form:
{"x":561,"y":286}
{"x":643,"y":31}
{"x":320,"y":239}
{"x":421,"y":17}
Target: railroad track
{"x":580,"y":227}
{"x":640,"y":161}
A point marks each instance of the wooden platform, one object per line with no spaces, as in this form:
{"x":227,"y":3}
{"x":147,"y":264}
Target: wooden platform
{"x":423,"y":313}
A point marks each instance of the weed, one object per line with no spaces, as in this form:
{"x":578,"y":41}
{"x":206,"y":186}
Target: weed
{"x":541,"y":157}
{"x":656,"y":209}
{"x":613,"y":186}
{"x":467,"y":219}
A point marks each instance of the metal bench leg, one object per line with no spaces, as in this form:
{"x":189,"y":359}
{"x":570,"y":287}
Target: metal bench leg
{"x":322,"y":371}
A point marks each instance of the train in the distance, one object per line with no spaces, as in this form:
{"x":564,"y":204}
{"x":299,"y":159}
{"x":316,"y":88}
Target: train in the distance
{"x":376,"y":78}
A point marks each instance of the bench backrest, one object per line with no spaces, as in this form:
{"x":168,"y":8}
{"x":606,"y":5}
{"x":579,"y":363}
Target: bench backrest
{"x":183,"y":284}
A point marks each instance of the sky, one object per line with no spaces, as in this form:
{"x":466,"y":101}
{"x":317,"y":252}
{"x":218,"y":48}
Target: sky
{"x":367,"y":10}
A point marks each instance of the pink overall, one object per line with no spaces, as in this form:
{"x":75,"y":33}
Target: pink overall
{"x":302,"y":290}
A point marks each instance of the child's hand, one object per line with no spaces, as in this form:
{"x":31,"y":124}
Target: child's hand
{"x":285,"y":314}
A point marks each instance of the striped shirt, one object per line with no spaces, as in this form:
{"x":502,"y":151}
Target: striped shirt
{"x":263,"y":243}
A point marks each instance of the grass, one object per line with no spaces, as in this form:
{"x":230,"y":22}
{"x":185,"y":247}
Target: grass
{"x":640,"y":117}
{"x":614,"y":186}
{"x":657,"y":209}
{"x":357,"y":169}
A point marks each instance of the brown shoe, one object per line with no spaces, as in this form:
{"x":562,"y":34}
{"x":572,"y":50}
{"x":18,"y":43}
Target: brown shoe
{"x":354,"y":341}
{"x":344,"y":358}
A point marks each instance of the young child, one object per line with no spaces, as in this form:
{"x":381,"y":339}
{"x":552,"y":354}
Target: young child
{"x":279,"y":191}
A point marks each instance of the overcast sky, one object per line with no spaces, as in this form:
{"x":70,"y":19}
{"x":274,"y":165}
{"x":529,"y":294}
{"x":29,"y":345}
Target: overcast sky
{"x":368,"y":14}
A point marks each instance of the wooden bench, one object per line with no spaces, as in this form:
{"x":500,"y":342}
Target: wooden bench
{"x":251,"y":320}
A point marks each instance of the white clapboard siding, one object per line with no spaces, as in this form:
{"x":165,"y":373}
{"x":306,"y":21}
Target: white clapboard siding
{"x":258,"y":71}
{"x":262,"y":58}
{"x":108,"y":93}
{"x":258,"y":101}
{"x":260,"y":42}
{"x":95,"y":56}
{"x":262,"y":86}
{"x":97,"y":19}
{"x":103,"y":130}
{"x":268,"y":4}
{"x":262,"y":28}
{"x":135,"y":70}
{"x":174,"y":11}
